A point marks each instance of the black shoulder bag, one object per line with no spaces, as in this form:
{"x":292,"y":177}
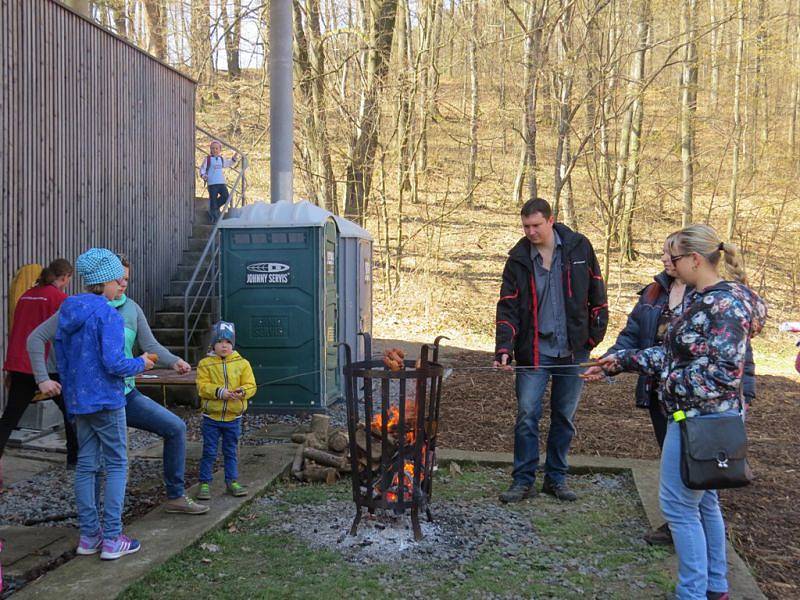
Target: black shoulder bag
{"x":714,"y":453}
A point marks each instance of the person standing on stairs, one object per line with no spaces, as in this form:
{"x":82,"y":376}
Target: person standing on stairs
{"x":141,"y":412}
{"x":212,"y":171}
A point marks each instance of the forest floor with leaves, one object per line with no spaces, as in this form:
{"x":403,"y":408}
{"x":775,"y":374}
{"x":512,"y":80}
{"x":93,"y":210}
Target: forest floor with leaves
{"x":478,"y":413}
{"x":449,"y":287}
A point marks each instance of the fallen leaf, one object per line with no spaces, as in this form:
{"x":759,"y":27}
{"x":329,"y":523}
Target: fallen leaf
{"x":455,"y":469}
{"x":209,"y":547}
{"x":206,"y":561}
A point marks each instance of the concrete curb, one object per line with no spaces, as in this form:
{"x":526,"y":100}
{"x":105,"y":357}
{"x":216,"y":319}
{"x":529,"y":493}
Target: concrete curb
{"x":162,"y":535}
{"x":742,"y":584}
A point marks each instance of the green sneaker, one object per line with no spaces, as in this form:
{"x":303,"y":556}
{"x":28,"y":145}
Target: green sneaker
{"x":235,"y":489}
{"x":204,"y":493}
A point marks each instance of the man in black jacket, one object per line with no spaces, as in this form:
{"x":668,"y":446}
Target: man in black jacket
{"x":552,"y":312}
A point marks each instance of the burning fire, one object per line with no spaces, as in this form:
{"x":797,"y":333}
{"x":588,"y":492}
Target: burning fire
{"x":405,"y":486}
{"x":394,"y":421}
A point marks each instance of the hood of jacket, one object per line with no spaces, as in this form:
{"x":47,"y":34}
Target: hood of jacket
{"x":747,"y":298}
{"x":78,"y":309}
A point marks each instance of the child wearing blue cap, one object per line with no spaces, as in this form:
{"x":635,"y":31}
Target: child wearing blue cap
{"x":225,"y":382}
{"x":90,"y":354}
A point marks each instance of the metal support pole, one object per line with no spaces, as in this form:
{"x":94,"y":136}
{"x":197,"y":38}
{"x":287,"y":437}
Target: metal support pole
{"x":281,"y":109}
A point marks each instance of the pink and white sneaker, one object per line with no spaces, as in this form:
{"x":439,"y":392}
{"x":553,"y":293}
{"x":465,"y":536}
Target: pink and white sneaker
{"x":114,"y":549}
{"x":90,"y":544}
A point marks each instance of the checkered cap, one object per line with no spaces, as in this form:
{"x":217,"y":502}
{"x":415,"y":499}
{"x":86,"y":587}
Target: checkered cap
{"x":98,"y":265}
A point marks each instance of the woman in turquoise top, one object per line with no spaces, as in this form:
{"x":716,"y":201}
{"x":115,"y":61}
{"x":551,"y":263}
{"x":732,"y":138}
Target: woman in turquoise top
{"x":141,"y":412}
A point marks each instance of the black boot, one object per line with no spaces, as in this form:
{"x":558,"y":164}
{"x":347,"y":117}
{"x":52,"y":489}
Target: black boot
{"x":517,"y":493}
{"x":559,"y":490}
{"x":659,"y":537}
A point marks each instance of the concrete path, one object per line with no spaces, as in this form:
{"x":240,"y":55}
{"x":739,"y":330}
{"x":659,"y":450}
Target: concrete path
{"x":21,"y":465}
{"x":162,"y":535}
{"x":742,"y":584}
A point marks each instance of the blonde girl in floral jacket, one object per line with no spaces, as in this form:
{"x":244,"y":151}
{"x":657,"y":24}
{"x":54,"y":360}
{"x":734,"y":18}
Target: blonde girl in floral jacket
{"x":701,"y":364}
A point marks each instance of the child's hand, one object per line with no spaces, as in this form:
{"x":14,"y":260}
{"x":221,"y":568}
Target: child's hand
{"x":229,"y":395}
{"x":148,"y":364}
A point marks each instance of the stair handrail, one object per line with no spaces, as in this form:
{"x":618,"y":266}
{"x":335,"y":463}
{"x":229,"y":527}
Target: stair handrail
{"x":236,"y":198}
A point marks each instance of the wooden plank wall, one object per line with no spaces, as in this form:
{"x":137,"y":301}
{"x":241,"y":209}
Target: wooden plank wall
{"x":96,"y":149}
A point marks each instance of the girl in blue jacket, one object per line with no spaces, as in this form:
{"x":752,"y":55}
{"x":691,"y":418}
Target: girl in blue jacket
{"x":89,"y":347}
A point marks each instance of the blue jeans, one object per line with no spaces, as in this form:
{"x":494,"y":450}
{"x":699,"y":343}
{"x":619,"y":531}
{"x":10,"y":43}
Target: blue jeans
{"x":695,"y":519}
{"x":102,"y":440}
{"x":144,"y":413}
{"x":229,"y":431}
{"x":565,"y":392}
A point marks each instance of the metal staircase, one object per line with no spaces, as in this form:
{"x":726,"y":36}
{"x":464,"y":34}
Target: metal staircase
{"x":192,"y":304}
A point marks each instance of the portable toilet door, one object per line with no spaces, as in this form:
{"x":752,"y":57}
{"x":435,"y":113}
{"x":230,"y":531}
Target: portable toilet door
{"x":278,"y":289}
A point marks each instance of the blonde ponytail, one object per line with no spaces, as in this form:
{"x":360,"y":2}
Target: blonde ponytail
{"x":703,"y":240}
{"x":733,"y":265}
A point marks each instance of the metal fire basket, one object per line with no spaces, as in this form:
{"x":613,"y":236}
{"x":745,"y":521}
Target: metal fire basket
{"x":392,"y":467}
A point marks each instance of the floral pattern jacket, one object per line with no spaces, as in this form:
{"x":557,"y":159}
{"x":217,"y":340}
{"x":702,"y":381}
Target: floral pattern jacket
{"x":702,"y":359}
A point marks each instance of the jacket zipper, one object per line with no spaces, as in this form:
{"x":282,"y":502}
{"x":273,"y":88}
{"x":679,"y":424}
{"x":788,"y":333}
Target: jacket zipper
{"x":225,"y":386}
{"x":535,"y":311}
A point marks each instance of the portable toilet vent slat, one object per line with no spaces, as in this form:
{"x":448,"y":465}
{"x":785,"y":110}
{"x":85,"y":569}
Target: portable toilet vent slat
{"x":282,"y":285}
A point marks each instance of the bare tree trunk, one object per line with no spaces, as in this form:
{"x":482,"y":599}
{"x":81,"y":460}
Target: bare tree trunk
{"x":715,"y":26}
{"x":534,"y":25}
{"x":759,"y":84}
{"x":83,"y":7}
{"x":431,"y":24}
{"x":155,"y":14}
{"x":310,"y":68}
{"x":795,"y":91}
{"x":119,"y":17}
{"x":564,"y":85}
{"x":202,"y":59}
{"x":381,"y":24}
{"x":233,"y":36}
{"x":473,"y":121}
{"x":404,"y":97}
{"x":688,"y":106}
{"x":635,"y":138}
{"x":737,"y":122}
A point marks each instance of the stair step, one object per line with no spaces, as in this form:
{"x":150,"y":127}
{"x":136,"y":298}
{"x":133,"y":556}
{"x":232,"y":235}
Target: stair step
{"x":192,"y":257}
{"x":183,"y":273}
{"x":175,"y":304}
{"x":174,"y":319}
{"x":197,"y":243}
{"x":201,"y":230}
{"x":194,"y":355}
{"x":201,"y":216}
{"x":177,"y":287}
{"x":174,"y":336}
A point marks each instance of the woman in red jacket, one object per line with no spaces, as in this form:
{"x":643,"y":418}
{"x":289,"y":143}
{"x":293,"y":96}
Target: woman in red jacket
{"x":33,"y":307}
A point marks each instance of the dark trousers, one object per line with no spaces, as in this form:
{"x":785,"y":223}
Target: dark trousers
{"x":22,"y":390}
{"x":658,"y":419}
{"x":217,"y":197}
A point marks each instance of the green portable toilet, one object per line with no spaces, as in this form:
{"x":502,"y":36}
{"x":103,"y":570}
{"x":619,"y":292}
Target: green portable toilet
{"x":278,"y":285}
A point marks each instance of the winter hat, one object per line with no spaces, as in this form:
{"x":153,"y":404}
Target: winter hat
{"x":98,"y":265}
{"x":223,"y":330}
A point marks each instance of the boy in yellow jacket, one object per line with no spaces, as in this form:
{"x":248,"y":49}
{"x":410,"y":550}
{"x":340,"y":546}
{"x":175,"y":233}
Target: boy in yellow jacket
{"x":225,"y":383}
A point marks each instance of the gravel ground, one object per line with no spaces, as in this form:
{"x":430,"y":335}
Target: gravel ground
{"x":48,"y":499}
{"x":460,"y":530}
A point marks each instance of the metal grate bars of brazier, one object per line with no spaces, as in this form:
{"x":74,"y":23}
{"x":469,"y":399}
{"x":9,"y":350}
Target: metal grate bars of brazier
{"x":392,"y":450}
